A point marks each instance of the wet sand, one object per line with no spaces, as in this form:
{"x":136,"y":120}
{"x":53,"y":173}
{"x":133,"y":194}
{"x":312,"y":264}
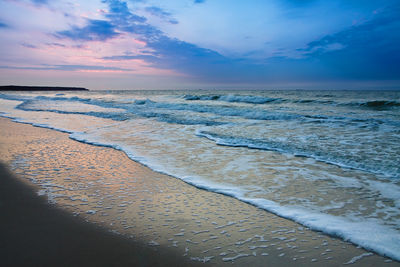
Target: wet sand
{"x":33,"y":233}
{"x":151,"y":212}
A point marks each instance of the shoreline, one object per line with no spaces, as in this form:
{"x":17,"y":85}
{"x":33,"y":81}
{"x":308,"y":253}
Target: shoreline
{"x":201,"y":197}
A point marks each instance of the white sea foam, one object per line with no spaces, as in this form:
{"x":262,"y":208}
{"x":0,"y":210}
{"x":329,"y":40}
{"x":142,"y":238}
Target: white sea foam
{"x":238,"y":256}
{"x":357,"y":258}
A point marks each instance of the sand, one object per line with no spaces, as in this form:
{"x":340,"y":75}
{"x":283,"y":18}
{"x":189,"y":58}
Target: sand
{"x":33,"y":233}
{"x":100,"y":189}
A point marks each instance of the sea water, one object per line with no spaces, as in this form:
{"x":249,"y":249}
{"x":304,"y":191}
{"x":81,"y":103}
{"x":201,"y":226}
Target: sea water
{"x":329,"y":160}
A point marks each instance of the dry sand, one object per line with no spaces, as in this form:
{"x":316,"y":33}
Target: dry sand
{"x":149,"y":211}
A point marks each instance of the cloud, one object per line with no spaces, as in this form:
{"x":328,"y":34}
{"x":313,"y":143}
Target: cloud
{"x":166,"y":52}
{"x":367,"y":50}
{"x":148,"y":58}
{"x":161,"y":13}
{"x":95,"y":30}
{"x":124,"y":20}
{"x":85,"y":67}
{"x":56,"y":44}
{"x":68,"y":68}
{"x":117,"y":18}
{"x":120,"y":14}
{"x":28,"y":45}
{"x":40,"y":2}
{"x":362,"y":36}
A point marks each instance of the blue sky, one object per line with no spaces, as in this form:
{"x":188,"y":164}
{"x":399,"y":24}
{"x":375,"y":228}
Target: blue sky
{"x":146,"y":44}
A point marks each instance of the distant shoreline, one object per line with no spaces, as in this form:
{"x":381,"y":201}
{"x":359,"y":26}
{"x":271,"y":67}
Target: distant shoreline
{"x":40,"y":88}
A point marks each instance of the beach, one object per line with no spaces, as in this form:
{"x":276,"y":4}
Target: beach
{"x":34,"y":233}
{"x":107,"y":209}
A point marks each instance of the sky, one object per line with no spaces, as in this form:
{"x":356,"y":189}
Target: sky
{"x":201,"y":44}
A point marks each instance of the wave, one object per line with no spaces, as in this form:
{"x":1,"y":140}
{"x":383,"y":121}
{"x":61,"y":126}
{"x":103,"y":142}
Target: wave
{"x":233,"y":111}
{"x":380,"y":104}
{"x":315,"y":101}
{"x":373,"y":104}
{"x":29,"y":105}
{"x":165,"y":111}
{"x":161,"y":111}
{"x":256,"y":113}
{"x":184,"y":120}
{"x":14,"y":97}
{"x":376,"y":105}
{"x":233,"y":98}
{"x":116,"y":116}
{"x":290,"y":148}
{"x":254,"y":99}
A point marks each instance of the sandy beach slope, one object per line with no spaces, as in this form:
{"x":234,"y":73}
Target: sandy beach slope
{"x":160,"y":219}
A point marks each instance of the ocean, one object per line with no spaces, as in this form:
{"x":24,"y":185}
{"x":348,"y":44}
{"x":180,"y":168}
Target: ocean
{"x":328,"y":160}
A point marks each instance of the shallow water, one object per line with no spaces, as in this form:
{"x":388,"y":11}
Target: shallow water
{"x":328,"y":160}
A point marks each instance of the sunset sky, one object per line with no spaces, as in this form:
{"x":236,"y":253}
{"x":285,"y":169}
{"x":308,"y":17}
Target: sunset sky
{"x":179,"y":44}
